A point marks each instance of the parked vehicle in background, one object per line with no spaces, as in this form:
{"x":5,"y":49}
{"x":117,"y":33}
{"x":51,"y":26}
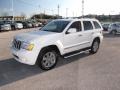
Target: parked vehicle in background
{"x":40,"y":24}
{"x":18,"y":25}
{"x":1,"y":23}
{"x":114,"y":28}
{"x":26,"y":24}
{"x":105,"y":26}
{"x":62,"y":37}
{"x":14,"y":25}
{"x":4,"y":26}
{"x":45,"y":22}
{"x":34,"y":23}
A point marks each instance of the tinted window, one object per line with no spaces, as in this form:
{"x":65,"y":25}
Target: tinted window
{"x":55,"y":26}
{"x":97,"y":26}
{"x":87,"y":25}
{"x":76,"y":25}
{"x":116,"y":25}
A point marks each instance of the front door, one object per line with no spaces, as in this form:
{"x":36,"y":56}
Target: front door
{"x":72,"y":41}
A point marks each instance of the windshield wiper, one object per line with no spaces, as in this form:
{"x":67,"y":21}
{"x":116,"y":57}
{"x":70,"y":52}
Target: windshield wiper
{"x":49,"y":31}
{"x":45,"y":30}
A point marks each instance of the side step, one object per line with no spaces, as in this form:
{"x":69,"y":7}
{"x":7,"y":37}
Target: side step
{"x":75,"y":53}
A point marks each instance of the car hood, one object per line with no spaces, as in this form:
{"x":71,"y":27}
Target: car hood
{"x":30,"y":36}
{"x":19,"y":24}
{"x":5,"y":25}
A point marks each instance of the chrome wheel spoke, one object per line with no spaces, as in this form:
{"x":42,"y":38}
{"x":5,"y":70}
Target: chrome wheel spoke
{"x":49,"y":59}
{"x":95,"y":46}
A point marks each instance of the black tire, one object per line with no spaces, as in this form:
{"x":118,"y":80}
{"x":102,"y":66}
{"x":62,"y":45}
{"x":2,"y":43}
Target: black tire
{"x":93,"y":49}
{"x":40,"y":59}
{"x":113,"y":32}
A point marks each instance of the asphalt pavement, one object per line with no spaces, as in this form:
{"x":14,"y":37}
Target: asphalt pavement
{"x":82,"y":72}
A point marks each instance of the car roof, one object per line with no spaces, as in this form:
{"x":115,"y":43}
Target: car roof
{"x":82,"y":19}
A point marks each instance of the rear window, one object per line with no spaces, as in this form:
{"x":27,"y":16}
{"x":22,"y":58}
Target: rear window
{"x":87,"y":25}
{"x":97,"y":26}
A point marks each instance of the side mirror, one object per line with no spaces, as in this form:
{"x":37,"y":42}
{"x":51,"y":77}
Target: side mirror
{"x":72,"y":30}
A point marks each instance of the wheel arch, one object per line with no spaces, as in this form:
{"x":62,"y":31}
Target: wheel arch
{"x":96,"y":38}
{"x":52,"y":47}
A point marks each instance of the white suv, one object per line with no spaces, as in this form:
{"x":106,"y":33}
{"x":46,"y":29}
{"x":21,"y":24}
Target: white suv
{"x":57,"y":38}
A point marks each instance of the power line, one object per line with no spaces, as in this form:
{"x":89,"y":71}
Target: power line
{"x":25,"y":2}
{"x":34,"y":6}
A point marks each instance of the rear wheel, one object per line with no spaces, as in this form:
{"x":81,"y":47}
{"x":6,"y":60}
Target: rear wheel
{"x":113,"y":32}
{"x":95,"y":46}
{"x":47,"y":59}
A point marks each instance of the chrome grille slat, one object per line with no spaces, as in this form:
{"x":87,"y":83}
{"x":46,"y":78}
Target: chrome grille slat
{"x":17,"y":44}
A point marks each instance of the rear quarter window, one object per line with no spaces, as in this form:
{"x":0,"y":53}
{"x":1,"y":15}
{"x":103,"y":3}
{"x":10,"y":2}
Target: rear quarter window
{"x":97,"y":25}
{"x":87,"y":25}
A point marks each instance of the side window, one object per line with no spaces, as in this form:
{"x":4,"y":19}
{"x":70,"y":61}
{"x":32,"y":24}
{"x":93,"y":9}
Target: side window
{"x":87,"y":25}
{"x":97,"y":26}
{"x":76,"y":25}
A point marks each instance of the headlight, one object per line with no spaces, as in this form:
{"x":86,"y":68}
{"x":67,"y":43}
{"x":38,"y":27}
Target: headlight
{"x":27,"y":46}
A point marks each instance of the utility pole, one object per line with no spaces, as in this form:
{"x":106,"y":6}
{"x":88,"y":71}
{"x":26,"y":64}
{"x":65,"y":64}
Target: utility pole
{"x":76,"y":14}
{"x":58,"y":9}
{"x":73,"y":14}
{"x":40,"y":12}
{"x":66,"y":12}
{"x":82,"y":8}
{"x":52,"y":13}
{"x":12,"y":10}
{"x":44,"y":12}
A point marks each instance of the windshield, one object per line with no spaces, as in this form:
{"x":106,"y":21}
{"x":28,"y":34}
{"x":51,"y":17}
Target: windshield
{"x":7,"y":22}
{"x":55,"y":26}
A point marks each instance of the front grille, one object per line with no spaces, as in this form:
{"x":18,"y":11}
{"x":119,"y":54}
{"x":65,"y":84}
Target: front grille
{"x":17,"y":44}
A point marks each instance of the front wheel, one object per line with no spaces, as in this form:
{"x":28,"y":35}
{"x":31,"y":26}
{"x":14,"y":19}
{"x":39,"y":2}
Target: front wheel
{"x":95,"y":46}
{"x":47,"y":59}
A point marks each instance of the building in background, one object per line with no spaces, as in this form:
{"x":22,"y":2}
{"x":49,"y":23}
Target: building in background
{"x":16,"y":18}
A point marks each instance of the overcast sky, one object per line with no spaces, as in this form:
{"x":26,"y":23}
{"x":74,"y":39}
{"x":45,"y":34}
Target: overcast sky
{"x":30,"y":7}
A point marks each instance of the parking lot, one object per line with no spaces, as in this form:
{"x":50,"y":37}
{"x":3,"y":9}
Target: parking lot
{"x":82,"y":72}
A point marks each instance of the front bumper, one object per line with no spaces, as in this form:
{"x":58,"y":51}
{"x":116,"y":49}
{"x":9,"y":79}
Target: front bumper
{"x":24,"y":56}
{"x":5,"y":28}
{"x":19,"y":27}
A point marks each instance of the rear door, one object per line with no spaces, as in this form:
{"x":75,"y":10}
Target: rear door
{"x":88,"y":31}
